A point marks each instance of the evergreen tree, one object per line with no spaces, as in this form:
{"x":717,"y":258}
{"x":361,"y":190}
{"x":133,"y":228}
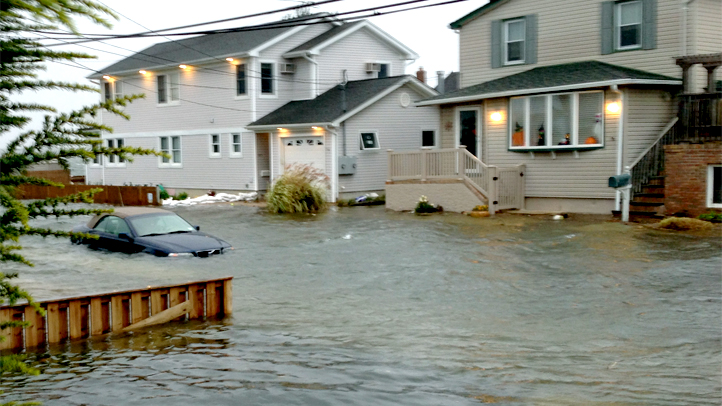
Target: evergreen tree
{"x":63,"y":136}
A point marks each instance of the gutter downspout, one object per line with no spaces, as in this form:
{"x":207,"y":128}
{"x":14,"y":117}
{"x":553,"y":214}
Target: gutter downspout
{"x":620,"y":142}
{"x":314,"y":76}
{"x":344,"y":108}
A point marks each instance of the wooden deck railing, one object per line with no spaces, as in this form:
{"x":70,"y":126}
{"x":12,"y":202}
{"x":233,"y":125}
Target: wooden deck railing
{"x":85,"y":316}
{"x":700,"y":118}
{"x":502,"y":187}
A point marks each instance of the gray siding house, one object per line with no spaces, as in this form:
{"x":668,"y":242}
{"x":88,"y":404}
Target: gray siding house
{"x":201,"y":94}
{"x":573,"y":90}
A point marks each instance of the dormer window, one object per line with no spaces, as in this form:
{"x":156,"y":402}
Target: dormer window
{"x":514,"y":41}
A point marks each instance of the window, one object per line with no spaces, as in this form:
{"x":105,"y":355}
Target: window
{"x":172,"y":147}
{"x":384,"y":70}
{"x":629,"y":25}
{"x":514,"y":41}
{"x":114,"y":159}
{"x":235,"y":145}
{"x":514,"y":38}
{"x":113,"y":225}
{"x":428,"y":138}
{"x":112,"y":90}
{"x":557,"y":121}
{"x":267,"y":78}
{"x":168,"y":88}
{"x":215,"y":147}
{"x":369,"y":140}
{"x":241,"y":80}
{"x":714,"y":186}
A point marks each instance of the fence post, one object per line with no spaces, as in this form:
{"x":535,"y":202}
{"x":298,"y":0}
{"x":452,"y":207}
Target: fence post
{"x":522,"y":186}
{"x":423,"y":165}
{"x":391,"y":166}
{"x":461,"y":161}
{"x":493,"y":189}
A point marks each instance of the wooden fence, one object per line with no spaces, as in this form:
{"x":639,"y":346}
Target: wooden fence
{"x":85,"y":316}
{"x":114,"y":195}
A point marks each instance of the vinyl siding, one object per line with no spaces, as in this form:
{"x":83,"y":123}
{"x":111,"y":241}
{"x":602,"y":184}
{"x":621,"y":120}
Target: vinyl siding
{"x":705,"y":36}
{"x":569,"y":31}
{"x":198,"y":170}
{"x":398,"y":128}
{"x":352,"y":53}
{"x":647,"y":114}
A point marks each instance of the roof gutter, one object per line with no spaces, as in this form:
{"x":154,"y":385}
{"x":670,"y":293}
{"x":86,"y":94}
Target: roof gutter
{"x":552,"y":89}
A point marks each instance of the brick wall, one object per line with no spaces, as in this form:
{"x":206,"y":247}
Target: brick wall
{"x":685,"y":184}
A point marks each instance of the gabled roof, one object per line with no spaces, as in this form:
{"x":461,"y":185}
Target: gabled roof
{"x":327,"y":109}
{"x":205,"y":48}
{"x":492,"y":4}
{"x":315,"y":45}
{"x":555,"y":78}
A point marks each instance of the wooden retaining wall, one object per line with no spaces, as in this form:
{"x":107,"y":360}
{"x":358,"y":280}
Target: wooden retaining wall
{"x":114,"y":195}
{"x":92,"y":315}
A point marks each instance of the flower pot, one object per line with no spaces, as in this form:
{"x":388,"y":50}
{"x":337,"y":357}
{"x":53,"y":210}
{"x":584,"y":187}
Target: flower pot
{"x":479,"y":213}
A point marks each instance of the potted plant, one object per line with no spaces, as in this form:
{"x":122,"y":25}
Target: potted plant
{"x":423,"y":207}
{"x":479,"y":211}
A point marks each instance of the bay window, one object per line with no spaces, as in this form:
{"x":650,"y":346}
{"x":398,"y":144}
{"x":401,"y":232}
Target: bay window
{"x":557,"y":121}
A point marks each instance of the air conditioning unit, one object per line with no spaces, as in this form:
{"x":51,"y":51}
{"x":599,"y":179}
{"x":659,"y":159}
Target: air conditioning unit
{"x":373,"y":67}
{"x":287,"y":68}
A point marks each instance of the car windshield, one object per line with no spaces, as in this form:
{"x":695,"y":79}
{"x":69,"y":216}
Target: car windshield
{"x":157,"y":224}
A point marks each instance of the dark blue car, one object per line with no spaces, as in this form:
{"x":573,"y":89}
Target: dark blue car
{"x":155,"y":231}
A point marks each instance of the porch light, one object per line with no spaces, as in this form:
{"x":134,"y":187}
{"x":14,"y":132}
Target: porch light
{"x":183,"y":66}
{"x":496,"y":116}
{"x":106,"y":77}
{"x":229,"y":59}
{"x":142,"y":72}
{"x":315,"y":128}
{"x":613,"y":107}
{"x":281,"y":129}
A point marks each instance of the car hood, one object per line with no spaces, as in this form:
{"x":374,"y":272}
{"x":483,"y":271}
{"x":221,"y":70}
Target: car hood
{"x":185,"y":242}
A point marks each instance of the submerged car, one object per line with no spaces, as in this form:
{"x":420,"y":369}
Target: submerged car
{"x":155,"y":231}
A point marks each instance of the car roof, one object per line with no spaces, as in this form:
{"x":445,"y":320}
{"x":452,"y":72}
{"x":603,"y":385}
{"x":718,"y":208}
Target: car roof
{"x":124,"y":212}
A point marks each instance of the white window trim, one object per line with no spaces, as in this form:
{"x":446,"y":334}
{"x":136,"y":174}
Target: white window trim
{"x":245,"y":95}
{"x":212,"y":154}
{"x":618,"y":26}
{"x":107,"y":159}
{"x":168,"y":91}
{"x":436,"y":138}
{"x":231,"y":151}
{"x":505,"y":49}
{"x":170,"y":164}
{"x":274,"y":80}
{"x":361,"y":141}
{"x":548,"y":129}
{"x":710,"y":189}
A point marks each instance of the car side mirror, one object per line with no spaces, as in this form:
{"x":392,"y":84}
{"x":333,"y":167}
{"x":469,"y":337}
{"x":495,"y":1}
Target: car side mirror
{"x":198,"y":228}
{"x":125,"y":236}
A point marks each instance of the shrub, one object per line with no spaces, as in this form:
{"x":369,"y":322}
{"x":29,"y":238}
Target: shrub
{"x":164,"y":195}
{"x":301,"y":189}
{"x":181,"y":196}
{"x":712,"y":217}
{"x":423,"y":206}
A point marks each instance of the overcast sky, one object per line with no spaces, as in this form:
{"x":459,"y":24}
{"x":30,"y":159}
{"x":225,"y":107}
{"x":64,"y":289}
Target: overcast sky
{"x":424,"y":30}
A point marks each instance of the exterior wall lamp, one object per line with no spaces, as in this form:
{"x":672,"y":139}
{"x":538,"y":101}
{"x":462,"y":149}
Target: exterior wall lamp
{"x":496,"y":116}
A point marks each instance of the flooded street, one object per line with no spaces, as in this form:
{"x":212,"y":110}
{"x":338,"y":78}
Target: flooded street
{"x":360,"y":306}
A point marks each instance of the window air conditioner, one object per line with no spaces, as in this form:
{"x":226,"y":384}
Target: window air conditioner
{"x":373,"y":67}
{"x":287,"y":68}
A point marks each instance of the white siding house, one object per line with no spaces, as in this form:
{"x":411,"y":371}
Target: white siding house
{"x":201,"y":93}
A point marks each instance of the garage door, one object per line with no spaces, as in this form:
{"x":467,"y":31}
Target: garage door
{"x":305,"y":150}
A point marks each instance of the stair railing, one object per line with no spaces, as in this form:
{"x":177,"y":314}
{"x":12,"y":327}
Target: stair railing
{"x":650,"y":163}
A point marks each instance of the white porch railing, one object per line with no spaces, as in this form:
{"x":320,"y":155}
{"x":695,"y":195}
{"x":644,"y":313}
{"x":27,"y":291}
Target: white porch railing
{"x":502,"y":187}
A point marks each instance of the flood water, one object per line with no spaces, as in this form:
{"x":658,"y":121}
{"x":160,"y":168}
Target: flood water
{"x":360,"y":306}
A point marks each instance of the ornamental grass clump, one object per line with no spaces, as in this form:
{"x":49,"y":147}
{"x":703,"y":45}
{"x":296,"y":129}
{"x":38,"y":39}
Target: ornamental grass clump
{"x":301,"y":189}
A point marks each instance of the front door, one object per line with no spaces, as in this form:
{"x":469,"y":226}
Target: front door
{"x":468,"y":131}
